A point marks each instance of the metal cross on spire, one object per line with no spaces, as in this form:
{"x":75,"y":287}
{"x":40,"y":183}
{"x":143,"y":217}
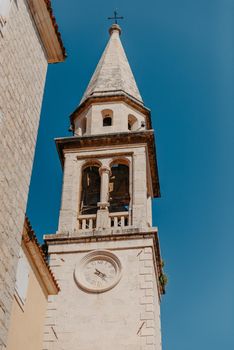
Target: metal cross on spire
{"x":116,"y":17}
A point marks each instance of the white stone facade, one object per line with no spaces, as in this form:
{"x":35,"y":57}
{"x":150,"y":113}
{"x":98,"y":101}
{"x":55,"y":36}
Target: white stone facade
{"x":126,"y":316}
{"x":90,"y":122}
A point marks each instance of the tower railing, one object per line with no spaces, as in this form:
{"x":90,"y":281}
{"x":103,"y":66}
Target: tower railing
{"x":119,"y":219}
{"x":116,"y":220}
{"x":87,"y":222}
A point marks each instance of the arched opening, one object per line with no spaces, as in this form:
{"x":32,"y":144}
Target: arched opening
{"x":84,"y":126}
{"x":107,"y":116}
{"x":107,"y":121}
{"x":90,"y":195}
{"x":132,"y":122}
{"x":119,"y":196}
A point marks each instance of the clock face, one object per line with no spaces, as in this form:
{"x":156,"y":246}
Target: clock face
{"x":98,"y":271}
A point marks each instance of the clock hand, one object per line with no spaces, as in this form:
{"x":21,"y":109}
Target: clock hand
{"x":100,"y":274}
{"x":97,"y":272}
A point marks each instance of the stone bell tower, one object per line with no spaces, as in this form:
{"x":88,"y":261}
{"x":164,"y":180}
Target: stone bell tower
{"x":105,"y":254}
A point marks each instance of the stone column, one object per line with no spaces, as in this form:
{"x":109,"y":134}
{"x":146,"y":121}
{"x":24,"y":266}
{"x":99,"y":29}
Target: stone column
{"x":69,"y":202}
{"x":104,"y":172}
{"x":103,"y":212}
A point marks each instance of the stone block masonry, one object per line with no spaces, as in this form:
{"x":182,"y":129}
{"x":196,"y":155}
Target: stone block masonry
{"x":149,"y":330}
{"x":23,"y":67}
{"x":124,"y":317}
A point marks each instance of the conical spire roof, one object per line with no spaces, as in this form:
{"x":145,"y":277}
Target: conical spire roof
{"x":113,"y":75}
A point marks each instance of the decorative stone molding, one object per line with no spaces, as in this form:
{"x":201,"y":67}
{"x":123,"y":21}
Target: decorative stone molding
{"x":104,"y":169}
{"x":103,"y":205}
{"x":98,"y":271}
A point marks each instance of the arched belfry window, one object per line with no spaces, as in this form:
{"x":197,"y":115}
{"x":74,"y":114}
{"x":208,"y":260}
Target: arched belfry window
{"x":107,"y":116}
{"x":119,"y":196}
{"x":90,"y":194}
{"x":132,"y":122}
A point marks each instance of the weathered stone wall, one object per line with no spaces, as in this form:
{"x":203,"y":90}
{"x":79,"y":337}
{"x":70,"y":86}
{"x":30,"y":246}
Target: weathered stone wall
{"x":126,"y":317}
{"x":23,"y":68}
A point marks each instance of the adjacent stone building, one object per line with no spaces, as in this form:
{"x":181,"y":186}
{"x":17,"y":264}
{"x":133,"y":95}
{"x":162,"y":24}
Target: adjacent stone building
{"x":34,"y":283}
{"x":29,"y":40}
{"x":106,"y":253}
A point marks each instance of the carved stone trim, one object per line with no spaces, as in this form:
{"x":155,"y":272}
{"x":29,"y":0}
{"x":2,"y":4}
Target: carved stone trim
{"x":102,"y":255}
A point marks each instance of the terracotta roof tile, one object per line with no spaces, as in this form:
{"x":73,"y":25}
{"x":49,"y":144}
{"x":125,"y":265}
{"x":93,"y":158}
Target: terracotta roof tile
{"x":53,"y":19}
{"x":30,"y":236}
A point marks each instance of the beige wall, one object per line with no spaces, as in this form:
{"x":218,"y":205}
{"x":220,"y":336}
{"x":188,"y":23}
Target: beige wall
{"x":27,"y":320}
{"x":23,"y":67}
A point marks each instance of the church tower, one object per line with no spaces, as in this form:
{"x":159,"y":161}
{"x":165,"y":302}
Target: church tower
{"x":105,"y":254}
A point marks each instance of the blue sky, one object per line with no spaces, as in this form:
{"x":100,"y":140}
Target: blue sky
{"x":181,"y":54}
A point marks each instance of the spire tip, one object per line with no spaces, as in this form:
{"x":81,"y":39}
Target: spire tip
{"x":115,"y":27}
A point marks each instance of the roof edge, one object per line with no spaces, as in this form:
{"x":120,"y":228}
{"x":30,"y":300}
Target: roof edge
{"x":120,"y":97}
{"x":47,"y":27}
{"x":38,"y":258}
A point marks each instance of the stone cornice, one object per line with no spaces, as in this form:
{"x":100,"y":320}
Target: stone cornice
{"x":140,"y":137}
{"x":47,"y":27}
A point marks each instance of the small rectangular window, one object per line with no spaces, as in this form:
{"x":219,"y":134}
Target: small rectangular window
{"x":22,"y":277}
{"x":107,"y":121}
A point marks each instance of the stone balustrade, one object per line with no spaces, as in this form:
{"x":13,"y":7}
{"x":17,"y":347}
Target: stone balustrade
{"x":120,"y":219}
{"x":116,"y":220}
{"x":87,"y":222}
